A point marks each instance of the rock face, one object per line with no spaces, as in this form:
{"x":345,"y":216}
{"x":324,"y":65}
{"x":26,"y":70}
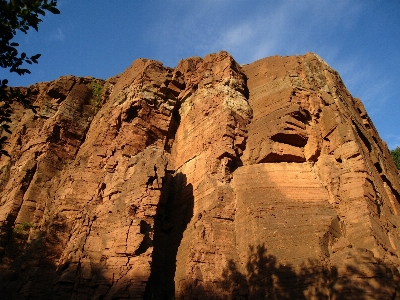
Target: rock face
{"x":207,"y":181}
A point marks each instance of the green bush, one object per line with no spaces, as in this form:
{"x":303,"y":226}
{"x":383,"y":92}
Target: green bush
{"x":22,"y":230}
{"x":24,"y":226}
{"x":396,"y":156}
{"x":97,"y":90}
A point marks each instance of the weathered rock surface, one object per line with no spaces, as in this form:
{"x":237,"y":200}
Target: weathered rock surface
{"x":205,"y":181}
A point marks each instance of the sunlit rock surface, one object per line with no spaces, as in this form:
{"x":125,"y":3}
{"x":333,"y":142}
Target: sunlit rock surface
{"x":210,"y":180}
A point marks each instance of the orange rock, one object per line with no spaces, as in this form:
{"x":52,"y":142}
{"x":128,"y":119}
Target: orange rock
{"x":207,"y":181}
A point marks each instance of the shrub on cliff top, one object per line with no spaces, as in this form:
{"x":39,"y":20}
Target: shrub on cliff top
{"x":97,"y":90}
{"x":396,"y":156}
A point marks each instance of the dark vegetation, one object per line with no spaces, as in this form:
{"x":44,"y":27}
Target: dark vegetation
{"x":97,"y":90}
{"x":396,"y":156}
{"x":17,"y":15}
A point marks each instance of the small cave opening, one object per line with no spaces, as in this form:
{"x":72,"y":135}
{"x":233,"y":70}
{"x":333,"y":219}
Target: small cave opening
{"x":292,"y":139}
{"x":56,"y":93}
{"x":234,"y":164}
{"x":302,"y":115}
{"x":277,"y":158}
{"x":55,"y":135}
{"x":131,"y":113}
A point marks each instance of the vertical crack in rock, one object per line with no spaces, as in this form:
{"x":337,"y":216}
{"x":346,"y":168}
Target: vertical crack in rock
{"x":173,"y":127}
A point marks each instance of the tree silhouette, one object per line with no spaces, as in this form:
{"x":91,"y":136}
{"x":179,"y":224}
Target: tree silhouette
{"x":17,"y":15}
{"x":360,"y":276}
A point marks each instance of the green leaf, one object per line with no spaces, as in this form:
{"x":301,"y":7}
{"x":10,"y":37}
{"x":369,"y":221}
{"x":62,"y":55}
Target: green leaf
{"x":53,"y":10}
{"x":34,"y":57}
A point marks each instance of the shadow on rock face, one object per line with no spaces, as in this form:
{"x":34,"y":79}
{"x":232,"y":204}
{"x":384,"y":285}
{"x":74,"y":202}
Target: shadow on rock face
{"x":358,"y":276}
{"x":27,"y":270}
{"x":263,"y":277}
{"x":173,"y":215}
{"x":28,"y":273}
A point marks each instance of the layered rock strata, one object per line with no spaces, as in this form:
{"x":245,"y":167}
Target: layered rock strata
{"x":210,"y":180}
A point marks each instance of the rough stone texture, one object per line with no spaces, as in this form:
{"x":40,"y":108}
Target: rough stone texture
{"x":205,"y":181}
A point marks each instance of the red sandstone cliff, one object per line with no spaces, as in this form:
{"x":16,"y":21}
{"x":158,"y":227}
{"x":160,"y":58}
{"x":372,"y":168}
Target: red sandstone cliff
{"x":207,"y":181}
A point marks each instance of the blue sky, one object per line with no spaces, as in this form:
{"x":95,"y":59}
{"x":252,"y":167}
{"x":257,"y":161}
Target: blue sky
{"x":358,"y":38}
